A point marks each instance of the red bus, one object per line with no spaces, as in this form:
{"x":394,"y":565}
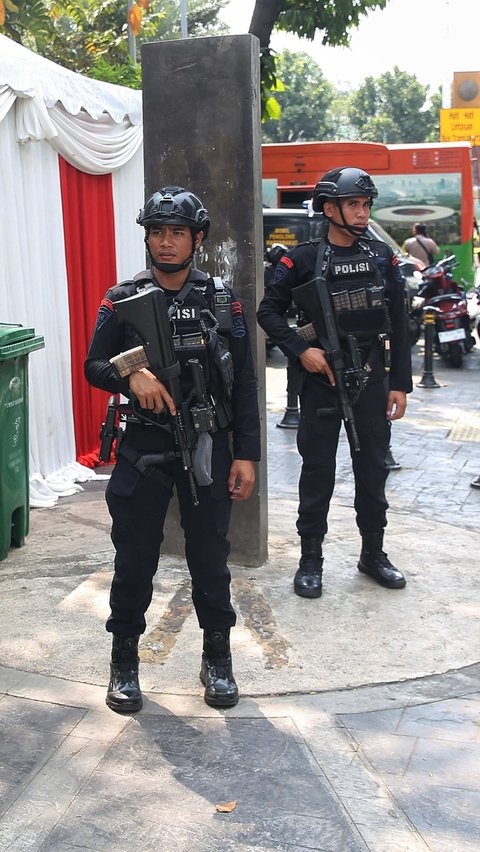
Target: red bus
{"x":430,"y":183}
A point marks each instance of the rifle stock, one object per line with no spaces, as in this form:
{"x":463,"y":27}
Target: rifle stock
{"x":313,"y":299}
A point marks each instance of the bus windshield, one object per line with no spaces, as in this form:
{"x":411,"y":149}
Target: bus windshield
{"x":430,"y":183}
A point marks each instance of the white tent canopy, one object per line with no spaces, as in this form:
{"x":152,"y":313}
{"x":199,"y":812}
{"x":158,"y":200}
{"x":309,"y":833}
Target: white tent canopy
{"x":46,"y":110}
{"x":95,"y":126}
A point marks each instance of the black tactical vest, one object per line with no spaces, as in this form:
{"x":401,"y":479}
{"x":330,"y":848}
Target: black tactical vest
{"x":196,"y":322}
{"x":357,"y":295}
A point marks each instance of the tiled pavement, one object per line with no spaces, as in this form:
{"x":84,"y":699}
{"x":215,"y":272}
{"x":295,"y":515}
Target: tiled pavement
{"x":359,"y":725}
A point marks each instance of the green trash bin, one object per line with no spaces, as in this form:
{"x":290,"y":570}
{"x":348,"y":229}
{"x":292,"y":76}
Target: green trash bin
{"x":16,"y":342}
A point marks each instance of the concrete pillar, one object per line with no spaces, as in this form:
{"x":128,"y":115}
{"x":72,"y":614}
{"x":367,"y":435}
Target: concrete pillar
{"x":201,"y":110}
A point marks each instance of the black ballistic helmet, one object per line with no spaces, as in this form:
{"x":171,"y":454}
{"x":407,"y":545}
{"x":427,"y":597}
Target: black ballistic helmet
{"x":275,"y":252}
{"x":175,"y":205}
{"x":345,"y":182}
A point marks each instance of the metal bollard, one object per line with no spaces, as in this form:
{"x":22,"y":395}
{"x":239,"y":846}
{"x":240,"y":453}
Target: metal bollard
{"x":291,"y":417}
{"x":428,"y":379}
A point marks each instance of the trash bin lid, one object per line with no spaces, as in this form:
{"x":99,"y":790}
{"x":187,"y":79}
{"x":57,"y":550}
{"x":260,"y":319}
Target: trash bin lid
{"x":10,"y":333}
{"x":17,"y":340}
{"x":21,"y":347}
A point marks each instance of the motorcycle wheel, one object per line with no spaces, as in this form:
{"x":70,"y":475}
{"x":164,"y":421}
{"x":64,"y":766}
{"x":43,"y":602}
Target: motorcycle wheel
{"x":455,"y":355}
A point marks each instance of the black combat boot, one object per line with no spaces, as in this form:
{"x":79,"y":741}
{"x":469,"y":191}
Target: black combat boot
{"x":216,"y":672}
{"x":123,"y":694}
{"x":308,"y":579}
{"x":374,"y":562}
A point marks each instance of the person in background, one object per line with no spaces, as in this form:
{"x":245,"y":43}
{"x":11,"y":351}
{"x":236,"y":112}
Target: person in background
{"x":421,"y":246}
{"x":272,"y":256}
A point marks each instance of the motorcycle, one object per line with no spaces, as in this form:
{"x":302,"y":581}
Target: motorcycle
{"x":473,"y":302}
{"x":453,"y":337}
{"x":414,"y":304}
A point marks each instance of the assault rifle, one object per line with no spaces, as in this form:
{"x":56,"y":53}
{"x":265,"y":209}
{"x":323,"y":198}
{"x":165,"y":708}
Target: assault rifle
{"x":147,"y":313}
{"x":313,"y":299}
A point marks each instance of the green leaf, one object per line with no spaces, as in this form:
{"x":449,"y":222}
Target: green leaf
{"x":272,"y":108}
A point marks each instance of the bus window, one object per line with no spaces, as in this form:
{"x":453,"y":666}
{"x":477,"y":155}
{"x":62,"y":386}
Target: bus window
{"x":432,"y":199}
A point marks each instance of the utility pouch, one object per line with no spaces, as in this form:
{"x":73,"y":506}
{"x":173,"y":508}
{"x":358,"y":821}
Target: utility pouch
{"x":222,"y":305}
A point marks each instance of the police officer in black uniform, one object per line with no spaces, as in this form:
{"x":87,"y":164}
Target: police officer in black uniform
{"x":207,"y":325}
{"x":272,"y":256}
{"x":365,"y":273}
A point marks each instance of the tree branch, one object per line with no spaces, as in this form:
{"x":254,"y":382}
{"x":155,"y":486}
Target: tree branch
{"x":263,"y":20}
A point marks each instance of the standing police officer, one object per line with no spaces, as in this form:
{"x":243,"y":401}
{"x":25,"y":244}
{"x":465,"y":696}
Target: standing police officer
{"x":272,"y":256}
{"x":208,"y":326}
{"x":366,"y":294}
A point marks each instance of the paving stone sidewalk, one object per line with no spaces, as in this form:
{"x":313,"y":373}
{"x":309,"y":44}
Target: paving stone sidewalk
{"x":359,"y":725}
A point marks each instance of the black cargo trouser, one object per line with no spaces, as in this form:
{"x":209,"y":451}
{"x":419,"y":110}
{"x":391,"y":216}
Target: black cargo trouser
{"x":138,"y":506}
{"x":317,"y":441}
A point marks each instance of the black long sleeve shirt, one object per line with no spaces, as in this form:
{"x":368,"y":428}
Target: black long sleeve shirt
{"x":298,"y":267}
{"x":110,"y":338}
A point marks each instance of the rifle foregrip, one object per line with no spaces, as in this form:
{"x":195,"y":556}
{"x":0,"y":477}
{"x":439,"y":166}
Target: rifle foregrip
{"x":130,"y":361}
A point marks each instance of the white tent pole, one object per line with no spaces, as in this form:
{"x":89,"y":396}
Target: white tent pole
{"x":183,"y":18}
{"x":132,"y":52}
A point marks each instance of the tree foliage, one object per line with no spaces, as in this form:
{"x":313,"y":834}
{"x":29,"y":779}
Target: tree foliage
{"x":27,"y":23}
{"x":304,"y":18}
{"x":91,"y":36}
{"x":333,"y":18}
{"x":304,"y":102}
{"x":394,"y":108}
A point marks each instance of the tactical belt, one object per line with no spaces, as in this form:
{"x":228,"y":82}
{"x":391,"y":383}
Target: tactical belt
{"x":222,"y":412}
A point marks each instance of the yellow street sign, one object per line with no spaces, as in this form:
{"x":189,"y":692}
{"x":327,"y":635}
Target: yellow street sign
{"x":460,"y":125}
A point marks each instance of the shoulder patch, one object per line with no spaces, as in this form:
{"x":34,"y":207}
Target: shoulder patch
{"x":105,"y":312}
{"x":287,"y":261}
{"x":281,"y":270}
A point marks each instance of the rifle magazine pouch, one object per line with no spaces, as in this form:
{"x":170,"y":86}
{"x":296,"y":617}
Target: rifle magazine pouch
{"x":358,"y":296}
{"x":202,"y":459}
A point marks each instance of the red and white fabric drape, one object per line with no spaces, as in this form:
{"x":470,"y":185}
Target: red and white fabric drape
{"x":71,"y":185}
{"x":89,"y":228}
